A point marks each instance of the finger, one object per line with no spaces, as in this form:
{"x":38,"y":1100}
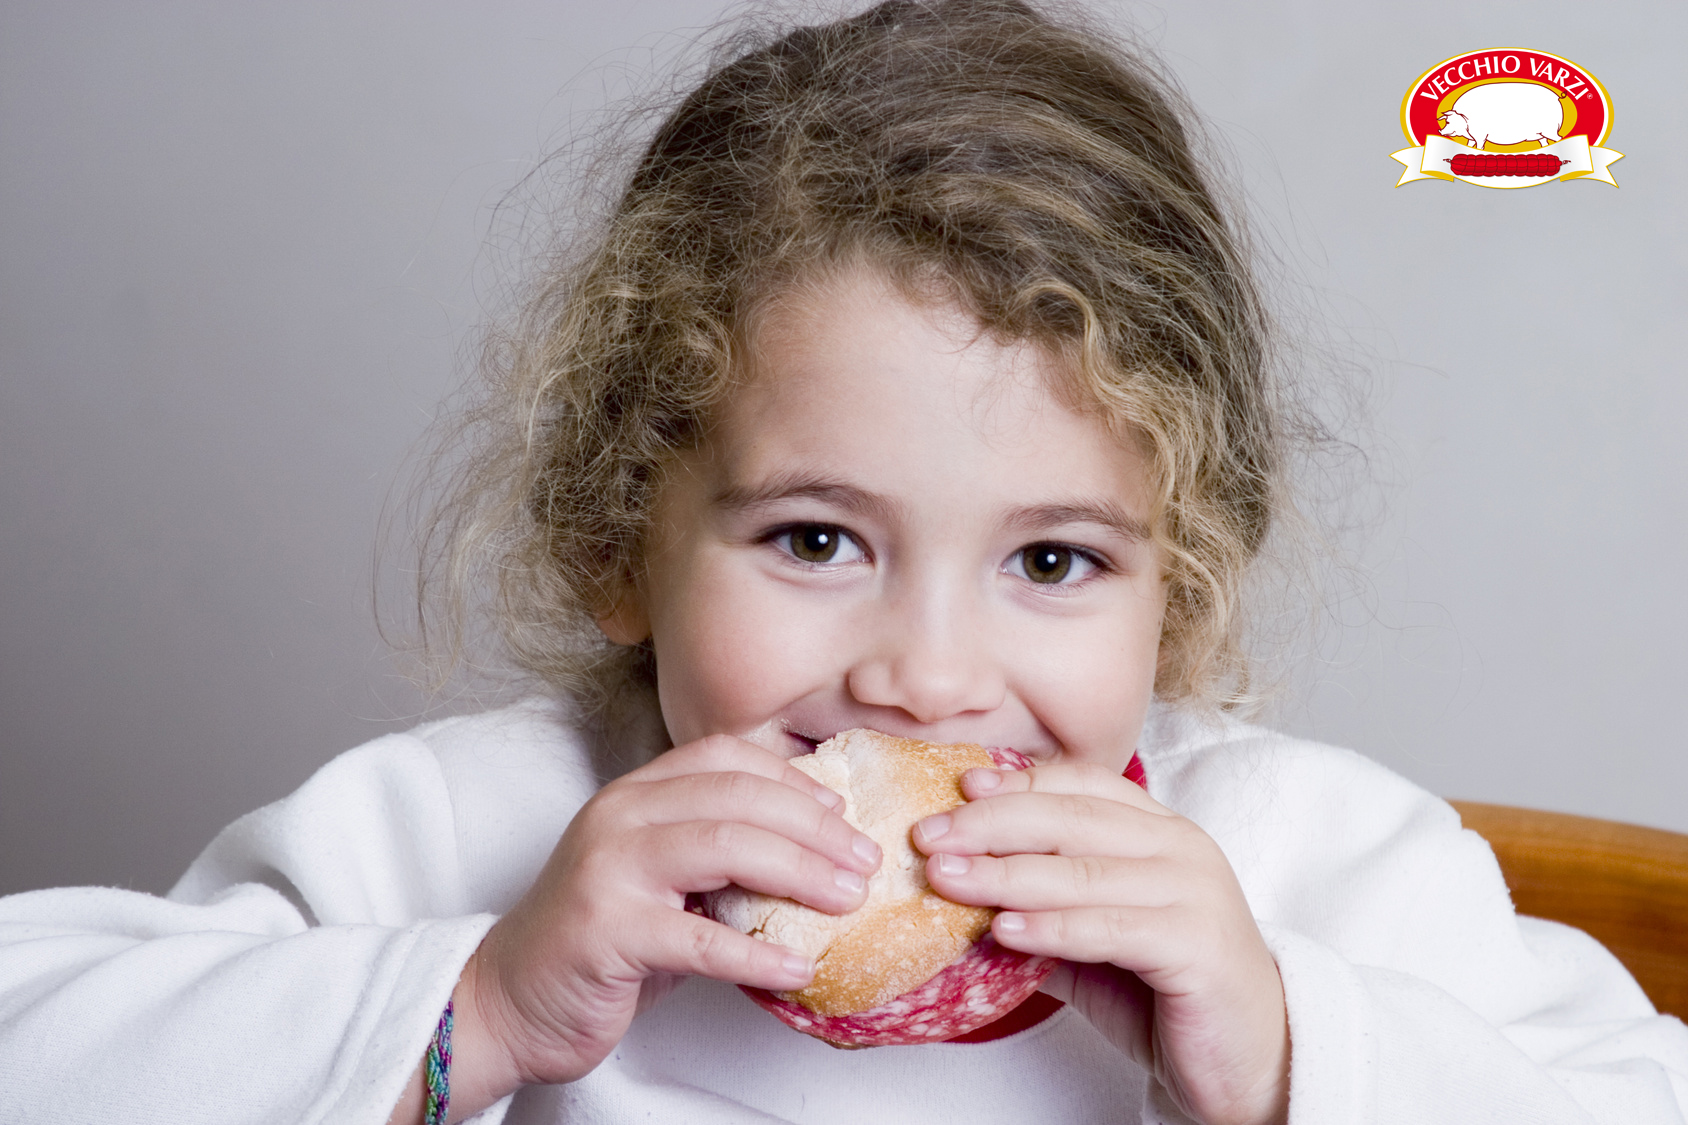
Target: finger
{"x":1060,"y":823}
{"x":751,"y":799}
{"x":677,"y":942}
{"x":1048,"y":882}
{"x":1138,"y":938}
{"x":1060,"y":777}
{"x":722,"y":752}
{"x":706,"y":855}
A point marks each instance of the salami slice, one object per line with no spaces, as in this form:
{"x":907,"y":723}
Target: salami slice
{"x":1008,"y":759}
{"x":986,"y":983}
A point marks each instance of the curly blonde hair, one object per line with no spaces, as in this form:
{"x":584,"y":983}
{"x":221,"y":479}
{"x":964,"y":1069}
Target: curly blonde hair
{"x":1031,"y":171}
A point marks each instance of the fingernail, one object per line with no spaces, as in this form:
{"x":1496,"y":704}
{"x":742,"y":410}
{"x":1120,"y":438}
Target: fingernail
{"x":934,"y":826}
{"x":1011,"y":923}
{"x":954,"y":865}
{"x":986,"y":780}
{"x":866,"y":850}
{"x":797,"y":965}
{"x":848,"y":881}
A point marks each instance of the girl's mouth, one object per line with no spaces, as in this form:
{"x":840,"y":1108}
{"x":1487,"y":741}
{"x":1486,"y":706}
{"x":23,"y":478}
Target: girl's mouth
{"x":808,"y":744}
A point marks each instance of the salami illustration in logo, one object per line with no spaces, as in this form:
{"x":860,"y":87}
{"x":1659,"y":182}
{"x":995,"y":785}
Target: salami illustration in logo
{"x":1506,"y":119}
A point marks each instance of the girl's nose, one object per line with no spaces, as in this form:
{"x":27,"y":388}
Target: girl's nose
{"x":929,"y":664}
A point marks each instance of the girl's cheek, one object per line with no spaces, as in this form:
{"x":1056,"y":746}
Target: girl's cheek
{"x":1092,"y":687}
{"x":733,"y":650}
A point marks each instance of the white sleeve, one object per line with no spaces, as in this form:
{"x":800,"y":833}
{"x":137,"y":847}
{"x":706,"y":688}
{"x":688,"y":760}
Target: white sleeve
{"x":1374,"y":1045}
{"x":295,"y":974}
{"x":1415,"y":993}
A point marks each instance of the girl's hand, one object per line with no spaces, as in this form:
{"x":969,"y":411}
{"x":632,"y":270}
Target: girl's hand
{"x":1163,"y":955}
{"x":604,"y":932}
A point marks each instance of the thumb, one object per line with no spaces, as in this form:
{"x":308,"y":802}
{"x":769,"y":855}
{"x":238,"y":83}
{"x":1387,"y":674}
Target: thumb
{"x":655,"y":988}
{"x":1115,"y":1001}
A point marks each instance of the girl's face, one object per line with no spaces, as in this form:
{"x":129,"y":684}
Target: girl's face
{"x":895,"y":524}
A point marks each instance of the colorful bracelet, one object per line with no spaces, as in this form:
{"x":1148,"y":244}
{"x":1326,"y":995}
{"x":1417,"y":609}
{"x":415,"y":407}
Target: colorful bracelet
{"x":436,"y":1072}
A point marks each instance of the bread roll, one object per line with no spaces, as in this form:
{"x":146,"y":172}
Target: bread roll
{"x":880,"y":970}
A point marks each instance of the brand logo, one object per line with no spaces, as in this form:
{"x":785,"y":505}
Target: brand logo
{"x":1506,"y":119}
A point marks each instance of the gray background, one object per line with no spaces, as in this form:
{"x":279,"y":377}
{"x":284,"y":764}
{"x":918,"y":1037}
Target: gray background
{"x":244,"y":248}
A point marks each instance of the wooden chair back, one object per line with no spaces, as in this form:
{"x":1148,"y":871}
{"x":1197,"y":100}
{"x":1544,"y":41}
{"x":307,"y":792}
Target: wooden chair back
{"x":1625,"y":885}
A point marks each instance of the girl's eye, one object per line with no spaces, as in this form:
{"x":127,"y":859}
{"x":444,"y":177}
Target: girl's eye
{"x":819,"y":543}
{"x":814,"y":544}
{"x":1051,"y":564}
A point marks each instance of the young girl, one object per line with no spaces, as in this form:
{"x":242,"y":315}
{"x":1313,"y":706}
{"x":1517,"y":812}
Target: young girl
{"x":916,"y":383}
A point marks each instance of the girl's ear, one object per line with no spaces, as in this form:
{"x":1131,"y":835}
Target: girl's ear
{"x":626,"y":622}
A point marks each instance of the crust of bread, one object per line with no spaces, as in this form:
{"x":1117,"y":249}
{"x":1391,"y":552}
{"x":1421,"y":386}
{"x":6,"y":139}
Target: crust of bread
{"x":905,"y":933}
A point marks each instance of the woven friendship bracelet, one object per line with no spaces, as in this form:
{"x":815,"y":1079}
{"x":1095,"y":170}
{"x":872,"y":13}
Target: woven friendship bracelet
{"x":436,"y":1070}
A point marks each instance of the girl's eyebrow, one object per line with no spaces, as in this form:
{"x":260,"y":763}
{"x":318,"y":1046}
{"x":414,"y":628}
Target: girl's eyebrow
{"x":845,"y":497}
{"x":860,"y":502}
{"x":1041,"y":517}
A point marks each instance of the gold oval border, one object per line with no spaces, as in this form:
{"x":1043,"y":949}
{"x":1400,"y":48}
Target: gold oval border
{"x":1406,"y":100}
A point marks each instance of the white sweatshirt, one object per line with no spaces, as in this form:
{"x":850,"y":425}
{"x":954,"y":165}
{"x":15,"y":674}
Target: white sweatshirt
{"x":297,"y":970}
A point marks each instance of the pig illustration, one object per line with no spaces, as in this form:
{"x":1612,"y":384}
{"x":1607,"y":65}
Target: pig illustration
{"x":1506,"y":113}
